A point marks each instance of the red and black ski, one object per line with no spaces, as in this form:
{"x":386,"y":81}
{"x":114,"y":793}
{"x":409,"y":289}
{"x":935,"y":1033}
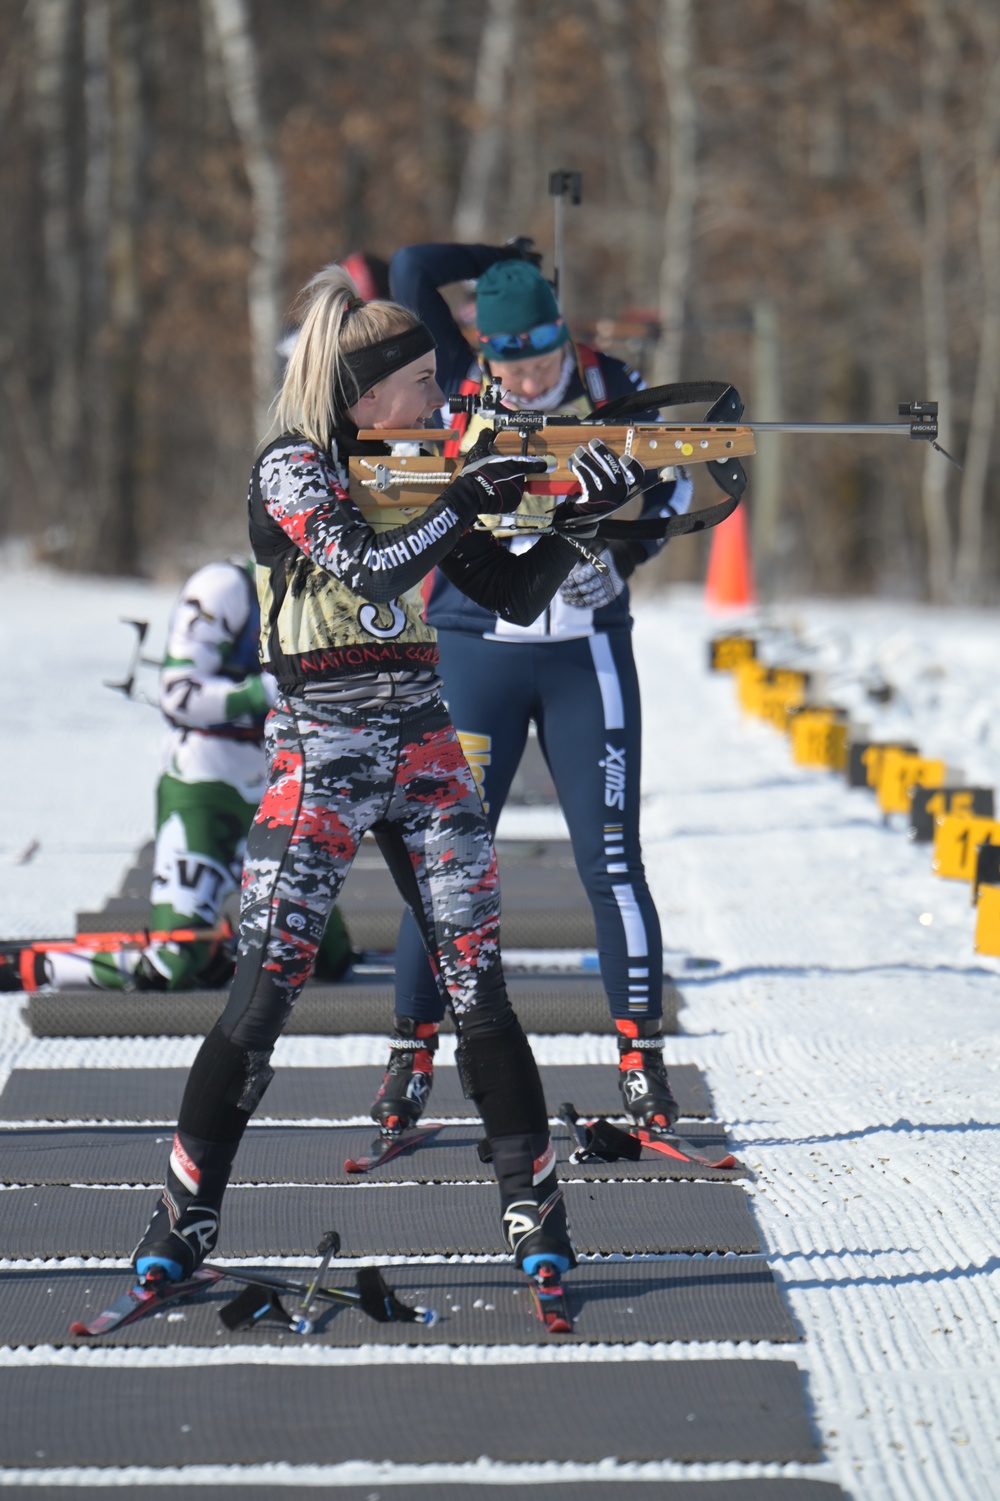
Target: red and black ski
{"x":386,"y":1146}
{"x":672,"y":1145}
{"x":144,"y":1298}
{"x":550,"y":1299}
{"x":599,"y":1141}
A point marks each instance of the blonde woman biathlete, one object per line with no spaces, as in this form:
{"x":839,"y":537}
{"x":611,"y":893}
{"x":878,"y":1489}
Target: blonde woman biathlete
{"x":359,"y":740}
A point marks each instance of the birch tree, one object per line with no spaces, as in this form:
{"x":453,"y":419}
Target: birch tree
{"x":53,"y":22}
{"x":677,"y":57}
{"x":986,"y":388}
{"x":936,"y":52}
{"x":431,"y":18}
{"x":633,"y":159}
{"x":118,"y":540}
{"x":265,"y":286}
{"x":486,"y":136}
{"x":96,"y":203}
{"x":97,"y":169}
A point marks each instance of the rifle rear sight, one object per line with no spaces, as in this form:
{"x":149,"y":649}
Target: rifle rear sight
{"x":488,"y":405}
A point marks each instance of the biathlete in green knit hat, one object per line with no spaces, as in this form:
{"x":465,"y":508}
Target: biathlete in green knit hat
{"x":569,"y":673}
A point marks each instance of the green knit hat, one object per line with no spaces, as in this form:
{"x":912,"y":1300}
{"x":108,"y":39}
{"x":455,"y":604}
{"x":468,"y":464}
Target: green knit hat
{"x":513,"y":297}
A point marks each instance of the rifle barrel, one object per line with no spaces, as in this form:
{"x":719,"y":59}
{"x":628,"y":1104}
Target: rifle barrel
{"x":903,"y":428}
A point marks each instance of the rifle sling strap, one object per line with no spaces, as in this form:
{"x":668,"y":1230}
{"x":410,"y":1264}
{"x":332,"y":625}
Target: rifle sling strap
{"x":678,"y":394}
{"x":654,"y":527}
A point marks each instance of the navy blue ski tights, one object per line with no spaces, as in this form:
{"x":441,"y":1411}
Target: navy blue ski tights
{"x":583,"y":696}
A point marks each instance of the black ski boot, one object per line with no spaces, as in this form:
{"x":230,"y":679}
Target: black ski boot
{"x":534,"y":1221}
{"x":23,"y":969}
{"x":10,"y":972}
{"x":642,"y":1077}
{"x":400,"y":1102}
{"x":185,"y":1223}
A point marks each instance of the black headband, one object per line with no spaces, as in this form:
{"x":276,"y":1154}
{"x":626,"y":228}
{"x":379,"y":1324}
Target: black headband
{"x":364,"y":368}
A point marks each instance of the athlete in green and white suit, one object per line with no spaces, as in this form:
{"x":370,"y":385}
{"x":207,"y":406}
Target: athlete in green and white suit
{"x":215,"y":699}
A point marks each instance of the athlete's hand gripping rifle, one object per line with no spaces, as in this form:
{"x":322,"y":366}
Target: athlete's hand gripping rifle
{"x":413,"y":481}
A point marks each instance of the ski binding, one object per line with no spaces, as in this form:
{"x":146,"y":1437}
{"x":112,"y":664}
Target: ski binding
{"x":550,"y":1299}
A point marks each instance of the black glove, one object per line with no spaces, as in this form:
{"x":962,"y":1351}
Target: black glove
{"x":606,"y":482}
{"x":521,"y":248}
{"x":495,"y":482}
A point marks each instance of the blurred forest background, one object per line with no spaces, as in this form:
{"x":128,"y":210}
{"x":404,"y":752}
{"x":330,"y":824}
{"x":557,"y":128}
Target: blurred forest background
{"x":799,"y":196}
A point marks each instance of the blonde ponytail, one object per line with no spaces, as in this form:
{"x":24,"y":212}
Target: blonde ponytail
{"x":334,"y":323}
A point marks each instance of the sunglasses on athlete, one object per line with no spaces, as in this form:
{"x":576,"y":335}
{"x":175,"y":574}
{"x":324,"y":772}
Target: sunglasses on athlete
{"x":537,"y":340}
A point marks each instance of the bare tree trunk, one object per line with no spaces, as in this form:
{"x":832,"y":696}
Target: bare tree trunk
{"x":677,"y":52}
{"x":265,"y":283}
{"x":769,"y":462}
{"x":53,"y":32}
{"x":634,"y":162}
{"x":97,"y":174}
{"x":12,"y":71}
{"x":31,"y":441}
{"x":431,"y":35}
{"x":107,"y":536}
{"x":934,"y":174}
{"x":486,"y":138}
{"x":527,"y":181}
{"x":98,"y":133}
{"x":119,"y":540}
{"x":969,"y":563}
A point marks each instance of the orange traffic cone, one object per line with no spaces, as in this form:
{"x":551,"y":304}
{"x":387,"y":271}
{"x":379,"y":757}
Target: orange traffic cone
{"x":729,"y":582}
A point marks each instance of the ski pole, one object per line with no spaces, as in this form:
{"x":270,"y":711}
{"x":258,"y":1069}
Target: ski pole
{"x":328,"y":1247}
{"x":137,"y":660}
{"x":373,"y":1295}
{"x":571,"y":1120}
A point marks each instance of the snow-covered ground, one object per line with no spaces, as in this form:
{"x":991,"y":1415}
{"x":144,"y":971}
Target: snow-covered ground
{"x":850,"y":1043}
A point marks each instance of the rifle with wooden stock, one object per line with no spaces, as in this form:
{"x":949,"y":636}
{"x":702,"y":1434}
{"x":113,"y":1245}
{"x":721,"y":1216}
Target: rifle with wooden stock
{"x":409,"y":482}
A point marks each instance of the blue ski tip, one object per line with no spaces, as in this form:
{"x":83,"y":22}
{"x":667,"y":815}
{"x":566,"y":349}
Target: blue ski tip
{"x":161,"y":1266}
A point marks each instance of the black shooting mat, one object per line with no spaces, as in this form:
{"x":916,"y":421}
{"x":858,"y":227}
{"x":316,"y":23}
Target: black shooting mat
{"x":584,"y":1489}
{"x":543,"y":901}
{"x":291,"y":1154}
{"x":715,"y":1298}
{"x":375,"y":925}
{"x":688,"y":1410}
{"x":545,"y":1003}
{"x":392,"y":1220}
{"x":123,"y":1094}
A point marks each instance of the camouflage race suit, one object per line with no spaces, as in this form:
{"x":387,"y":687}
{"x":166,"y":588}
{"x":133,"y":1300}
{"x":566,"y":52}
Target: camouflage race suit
{"x":335,"y":774}
{"x":359,"y":740}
